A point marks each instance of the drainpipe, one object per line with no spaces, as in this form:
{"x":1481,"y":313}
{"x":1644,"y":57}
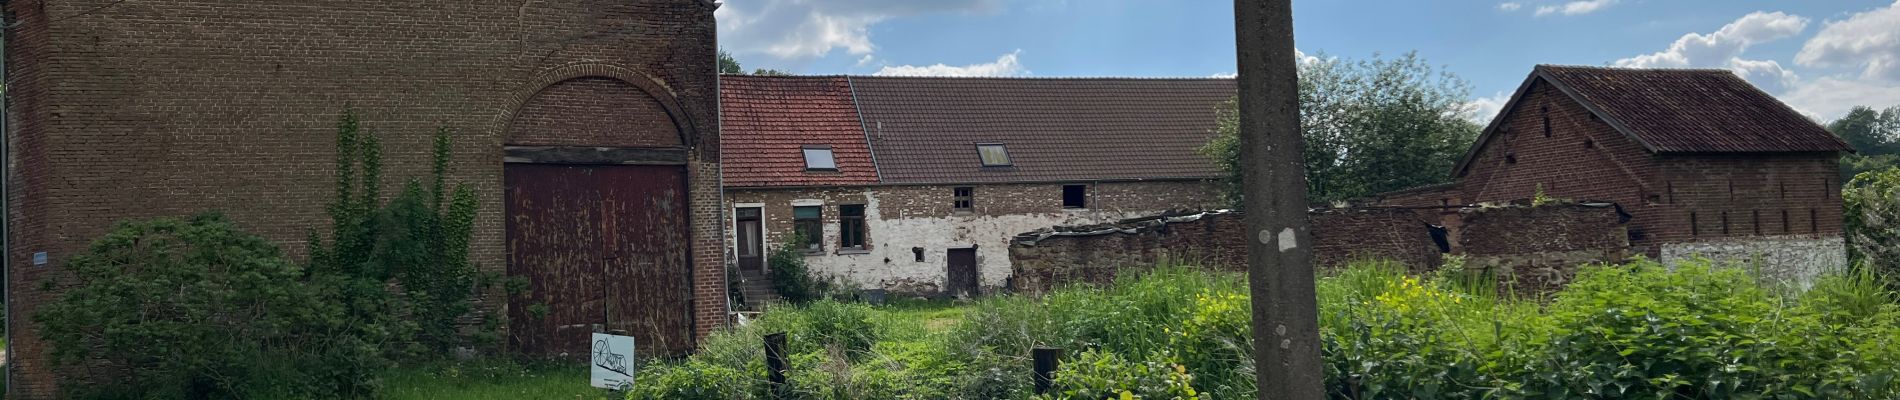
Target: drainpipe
{"x":6,"y":207}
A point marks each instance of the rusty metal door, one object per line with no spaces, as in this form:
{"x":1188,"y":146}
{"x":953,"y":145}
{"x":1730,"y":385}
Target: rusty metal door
{"x":962,"y":279}
{"x":598,"y":245}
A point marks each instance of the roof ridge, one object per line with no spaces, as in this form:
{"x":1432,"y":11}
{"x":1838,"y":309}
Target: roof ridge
{"x":1615,"y":68}
{"x":1026,"y":78}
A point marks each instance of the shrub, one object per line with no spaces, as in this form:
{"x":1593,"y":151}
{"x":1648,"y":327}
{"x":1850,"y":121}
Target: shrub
{"x":791,"y":276}
{"x":418,"y":241}
{"x":1104,"y":375}
{"x":195,"y":308}
{"x":1872,"y":222}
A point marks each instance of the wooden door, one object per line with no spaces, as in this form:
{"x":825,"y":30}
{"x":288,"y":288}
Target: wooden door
{"x":962,"y":279}
{"x":750,"y":237}
{"x":602,"y":246}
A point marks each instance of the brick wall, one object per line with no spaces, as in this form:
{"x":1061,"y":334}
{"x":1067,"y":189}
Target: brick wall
{"x":900,"y":219}
{"x":1550,"y":141}
{"x":1522,"y":243}
{"x":118,"y":113}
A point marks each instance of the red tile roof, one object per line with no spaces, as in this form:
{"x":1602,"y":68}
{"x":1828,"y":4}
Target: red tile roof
{"x":925,"y":129}
{"x":765,"y":122}
{"x":1692,"y":110}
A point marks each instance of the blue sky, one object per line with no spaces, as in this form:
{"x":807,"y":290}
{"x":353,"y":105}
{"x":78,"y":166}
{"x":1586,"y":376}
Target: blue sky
{"x":1821,"y":56}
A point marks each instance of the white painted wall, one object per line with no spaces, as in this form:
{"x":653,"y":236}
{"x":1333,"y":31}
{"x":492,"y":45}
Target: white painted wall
{"x":890,"y":263}
{"x":1796,"y":260}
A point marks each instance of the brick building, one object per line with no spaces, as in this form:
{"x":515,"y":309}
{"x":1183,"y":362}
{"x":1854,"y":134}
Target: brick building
{"x":141,"y":109}
{"x":916,"y":185}
{"x":1702,"y":161}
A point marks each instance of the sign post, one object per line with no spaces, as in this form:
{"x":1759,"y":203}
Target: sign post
{"x":612,"y":361}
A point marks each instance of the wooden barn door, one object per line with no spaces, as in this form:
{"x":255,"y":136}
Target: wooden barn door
{"x":598,"y":245}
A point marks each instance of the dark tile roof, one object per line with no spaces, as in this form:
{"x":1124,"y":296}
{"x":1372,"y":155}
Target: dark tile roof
{"x":1692,"y":110}
{"x":1056,"y":129}
{"x":765,"y":122}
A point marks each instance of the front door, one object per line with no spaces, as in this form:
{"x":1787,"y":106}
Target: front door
{"x":962,"y":279}
{"x":600,"y":247}
{"x":751,"y":237}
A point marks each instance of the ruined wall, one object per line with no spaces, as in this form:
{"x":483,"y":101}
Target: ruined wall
{"x":1538,"y":247}
{"x":900,"y":219}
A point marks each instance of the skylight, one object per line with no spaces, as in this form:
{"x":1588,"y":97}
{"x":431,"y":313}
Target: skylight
{"x":818,"y":158}
{"x":992,"y":154}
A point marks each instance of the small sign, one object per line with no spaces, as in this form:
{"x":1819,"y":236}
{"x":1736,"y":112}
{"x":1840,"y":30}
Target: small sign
{"x":613,"y":361}
{"x":39,"y":258}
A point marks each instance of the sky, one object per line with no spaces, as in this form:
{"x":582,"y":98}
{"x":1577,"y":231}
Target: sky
{"x":1821,"y":56}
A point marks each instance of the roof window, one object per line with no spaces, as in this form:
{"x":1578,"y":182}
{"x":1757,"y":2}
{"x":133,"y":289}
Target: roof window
{"x":992,"y":154}
{"x":818,"y":158}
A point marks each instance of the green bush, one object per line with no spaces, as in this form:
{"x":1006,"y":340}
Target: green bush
{"x":791,"y":275}
{"x":186,"y":309}
{"x":1872,"y":222}
{"x":1102,"y":375}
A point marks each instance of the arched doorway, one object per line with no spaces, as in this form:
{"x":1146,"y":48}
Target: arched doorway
{"x":596,"y":220}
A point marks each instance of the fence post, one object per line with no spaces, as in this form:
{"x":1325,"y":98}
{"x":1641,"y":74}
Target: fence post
{"x":1047,"y":360}
{"x":775,"y":363}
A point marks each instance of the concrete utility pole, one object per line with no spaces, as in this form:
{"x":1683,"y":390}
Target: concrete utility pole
{"x":1273,"y":169}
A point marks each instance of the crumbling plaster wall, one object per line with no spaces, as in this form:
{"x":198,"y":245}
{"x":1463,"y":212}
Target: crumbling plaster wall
{"x":899,"y":219}
{"x":1792,"y":259}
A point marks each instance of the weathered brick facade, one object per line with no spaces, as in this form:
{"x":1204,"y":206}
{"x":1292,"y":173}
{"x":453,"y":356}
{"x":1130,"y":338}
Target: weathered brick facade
{"x":164,"y":108}
{"x":1549,"y":140}
{"x":903,"y":218}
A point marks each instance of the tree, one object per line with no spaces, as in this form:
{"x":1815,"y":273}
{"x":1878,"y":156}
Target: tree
{"x":1872,"y":222}
{"x":730,"y":65}
{"x":1371,"y":126}
{"x":1875,"y":137}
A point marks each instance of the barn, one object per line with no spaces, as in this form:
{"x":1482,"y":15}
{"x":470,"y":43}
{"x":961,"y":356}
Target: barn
{"x":589,"y":129}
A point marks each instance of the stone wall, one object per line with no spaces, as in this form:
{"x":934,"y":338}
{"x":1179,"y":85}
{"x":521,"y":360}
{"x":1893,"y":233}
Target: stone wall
{"x":1791,"y":259}
{"x":1538,"y":247}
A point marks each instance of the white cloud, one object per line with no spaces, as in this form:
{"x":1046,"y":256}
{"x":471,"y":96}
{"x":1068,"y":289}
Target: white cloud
{"x":1510,"y":6}
{"x":1830,"y":97}
{"x":1006,"y":65}
{"x":1572,"y":8}
{"x":1225,"y":75}
{"x":1486,"y":108}
{"x":1868,"y":40}
{"x":1724,"y":47}
{"x":1718,"y":48}
{"x":866,"y":60}
{"x":797,"y":30}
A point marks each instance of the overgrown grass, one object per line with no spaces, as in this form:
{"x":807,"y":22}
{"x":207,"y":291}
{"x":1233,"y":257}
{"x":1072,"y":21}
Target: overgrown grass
{"x":491,"y":379}
{"x":1623,"y":331}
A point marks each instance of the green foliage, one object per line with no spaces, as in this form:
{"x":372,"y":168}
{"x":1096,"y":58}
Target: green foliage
{"x":730,"y":65}
{"x":1875,"y":137}
{"x":1104,"y":375}
{"x":1639,"y":330}
{"x":418,"y":240}
{"x":185,"y":309}
{"x":791,"y":276}
{"x":1872,"y":222}
{"x":1370,"y":126}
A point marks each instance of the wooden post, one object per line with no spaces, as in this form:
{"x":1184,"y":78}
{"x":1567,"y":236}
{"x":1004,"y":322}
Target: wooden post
{"x":775,"y":364}
{"x":1273,"y":170}
{"x":1047,"y":361}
